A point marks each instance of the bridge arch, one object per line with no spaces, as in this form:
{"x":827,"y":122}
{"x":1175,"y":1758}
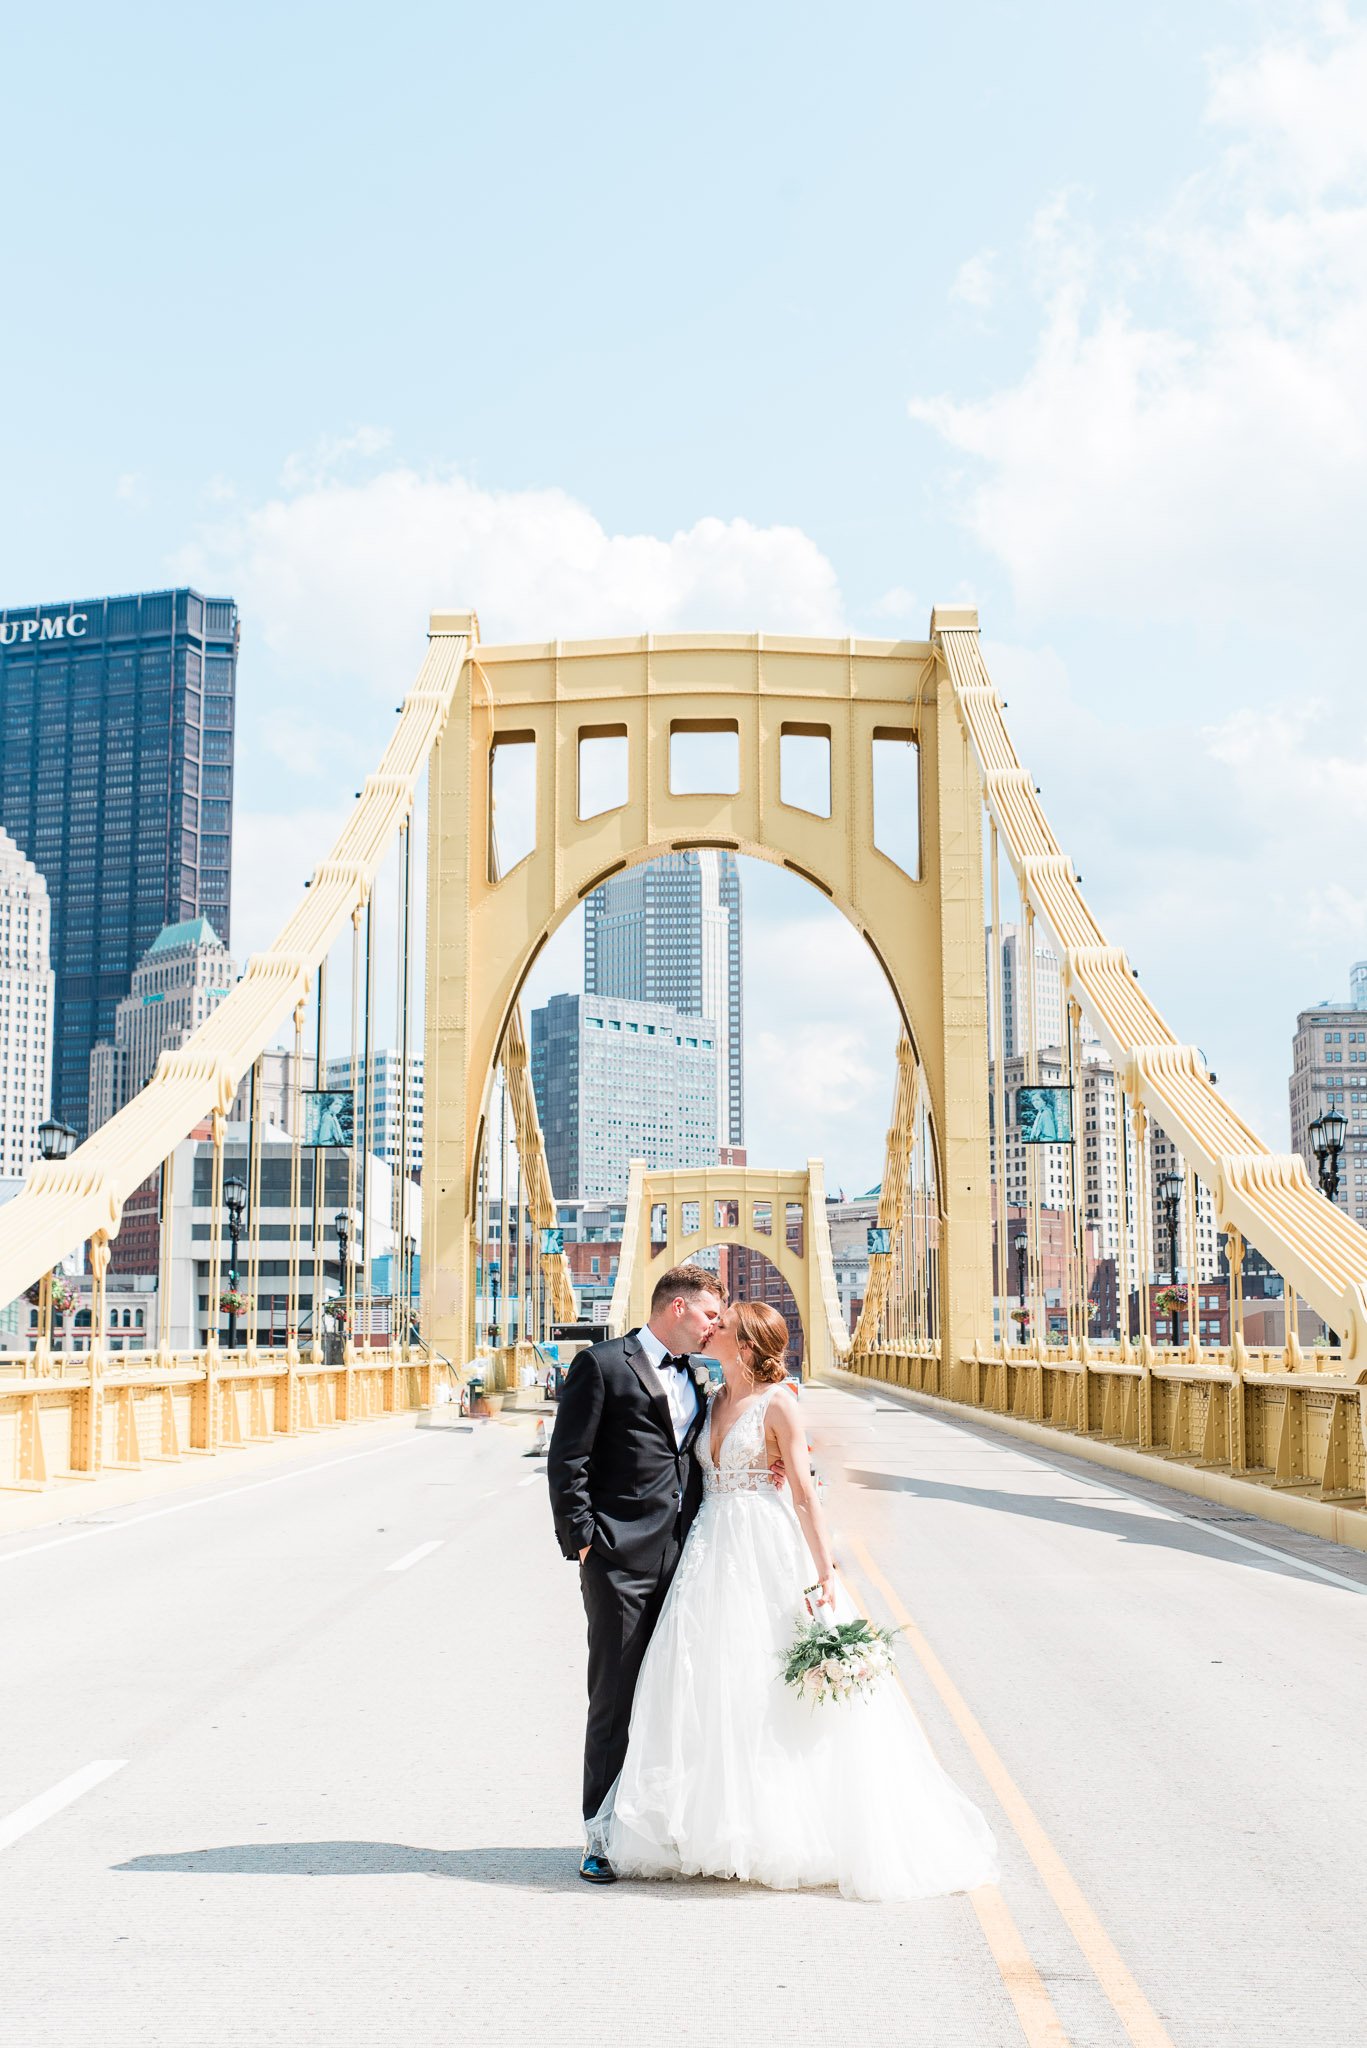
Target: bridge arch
{"x":707,"y":1207}
{"x":486,"y":927}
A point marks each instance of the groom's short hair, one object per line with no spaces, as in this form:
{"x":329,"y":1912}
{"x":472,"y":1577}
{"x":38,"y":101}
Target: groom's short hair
{"x":688,"y":1281}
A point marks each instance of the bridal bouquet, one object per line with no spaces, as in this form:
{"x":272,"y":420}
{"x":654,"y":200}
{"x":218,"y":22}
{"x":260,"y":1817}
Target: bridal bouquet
{"x":834,"y":1660}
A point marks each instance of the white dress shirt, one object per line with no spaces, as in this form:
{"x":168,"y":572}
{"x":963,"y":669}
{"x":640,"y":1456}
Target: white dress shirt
{"x":679,"y":1388}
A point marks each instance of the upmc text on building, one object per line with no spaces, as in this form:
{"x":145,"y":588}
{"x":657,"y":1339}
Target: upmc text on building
{"x":50,"y":627}
{"x":116,"y":780}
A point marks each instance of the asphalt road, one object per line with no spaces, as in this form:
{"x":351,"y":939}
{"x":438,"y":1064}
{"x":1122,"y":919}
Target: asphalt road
{"x":291,"y":1756}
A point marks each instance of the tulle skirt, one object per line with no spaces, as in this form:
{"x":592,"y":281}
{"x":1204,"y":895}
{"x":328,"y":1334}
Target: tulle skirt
{"x":730,"y":1773}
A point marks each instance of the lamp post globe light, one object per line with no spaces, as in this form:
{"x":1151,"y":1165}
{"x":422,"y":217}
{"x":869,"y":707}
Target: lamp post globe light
{"x":234,"y":1201}
{"x":1327,"y":1134}
{"x":56,"y":1140}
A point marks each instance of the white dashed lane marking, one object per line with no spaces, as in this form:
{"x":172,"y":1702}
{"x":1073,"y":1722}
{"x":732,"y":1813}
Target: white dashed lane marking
{"x":411,"y":1557}
{"x":26,"y":1818}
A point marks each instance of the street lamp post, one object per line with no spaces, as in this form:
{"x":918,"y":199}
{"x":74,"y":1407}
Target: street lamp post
{"x":1020,"y":1244}
{"x":341,"y":1223}
{"x":495,"y":1273}
{"x":56,"y":1140}
{"x":1170,"y":1195}
{"x":1327,"y":1134}
{"x":234,"y":1201}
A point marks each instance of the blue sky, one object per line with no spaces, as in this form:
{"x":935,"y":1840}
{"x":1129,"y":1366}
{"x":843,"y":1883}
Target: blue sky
{"x":756,"y":316}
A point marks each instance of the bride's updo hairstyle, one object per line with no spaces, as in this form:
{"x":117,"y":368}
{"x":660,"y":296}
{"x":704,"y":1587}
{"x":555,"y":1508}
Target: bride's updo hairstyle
{"x":762,"y":1336}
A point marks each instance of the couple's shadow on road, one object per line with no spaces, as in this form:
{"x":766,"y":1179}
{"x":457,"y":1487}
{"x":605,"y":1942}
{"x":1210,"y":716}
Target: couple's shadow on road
{"x":538,"y":1869}
{"x":531,"y":1870}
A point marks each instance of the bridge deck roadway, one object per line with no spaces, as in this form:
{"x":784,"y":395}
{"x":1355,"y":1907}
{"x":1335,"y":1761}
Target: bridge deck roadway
{"x":345,"y":1805}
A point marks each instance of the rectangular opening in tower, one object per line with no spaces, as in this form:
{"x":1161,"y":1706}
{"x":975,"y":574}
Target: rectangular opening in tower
{"x":704,"y":757}
{"x":604,"y":769}
{"x":804,"y":767}
{"x":897,"y":797}
{"x":512,"y":801}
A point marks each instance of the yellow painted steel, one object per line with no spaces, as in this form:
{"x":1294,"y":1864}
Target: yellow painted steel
{"x":485,"y":927}
{"x":1277,"y":1431}
{"x":1266,"y":1196}
{"x":705,"y":1207}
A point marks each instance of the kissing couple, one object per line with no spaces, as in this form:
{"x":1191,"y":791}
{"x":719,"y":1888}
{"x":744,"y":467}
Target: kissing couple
{"x":695,"y":1522}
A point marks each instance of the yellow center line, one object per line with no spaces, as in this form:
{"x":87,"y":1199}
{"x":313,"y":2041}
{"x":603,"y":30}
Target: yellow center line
{"x":1133,"y":2010}
{"x":1039,"y":2021}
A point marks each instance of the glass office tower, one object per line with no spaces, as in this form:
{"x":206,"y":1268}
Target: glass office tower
{"x":116,"y":750}
{"x":669,"y":931}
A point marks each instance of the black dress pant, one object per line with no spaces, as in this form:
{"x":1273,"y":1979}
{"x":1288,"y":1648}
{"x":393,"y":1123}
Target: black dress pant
{"x":623,"y":1606}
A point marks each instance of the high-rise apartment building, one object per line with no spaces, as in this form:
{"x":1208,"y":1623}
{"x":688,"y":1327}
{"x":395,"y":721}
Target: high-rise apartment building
{"x":116,"y":752}
{"x":180,"y":980}
{"x":25,"y":1009}
{"x":669,"y":931}
{"x":389,"y":1106}
{"x":1329,"y":1071}
{"x":1049,"y":1020}
{"x":617,"y":1081}
{"x":1096,"y":1110}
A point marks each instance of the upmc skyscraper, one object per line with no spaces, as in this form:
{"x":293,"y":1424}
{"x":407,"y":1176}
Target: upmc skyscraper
{"x":116,"y":746}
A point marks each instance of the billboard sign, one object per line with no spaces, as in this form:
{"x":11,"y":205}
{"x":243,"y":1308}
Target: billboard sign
{"x":1044,"y":1116}
{"x":328,"y":1118}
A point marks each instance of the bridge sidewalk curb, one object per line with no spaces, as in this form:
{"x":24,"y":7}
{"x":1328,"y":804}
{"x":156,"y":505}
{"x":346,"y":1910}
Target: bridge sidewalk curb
{"x":1320,"y":1519}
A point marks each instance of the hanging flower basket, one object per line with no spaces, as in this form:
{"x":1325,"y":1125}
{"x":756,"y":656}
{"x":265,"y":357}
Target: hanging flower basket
{"x":233,"y":1302}
{"x":334,"y":1312}
{"x":1021,"y":1318}
{"x":1170,"y":1301}
{"x":63,"y":1295}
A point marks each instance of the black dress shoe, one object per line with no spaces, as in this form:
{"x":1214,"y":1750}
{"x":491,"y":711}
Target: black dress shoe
{"x":595,"y":1869}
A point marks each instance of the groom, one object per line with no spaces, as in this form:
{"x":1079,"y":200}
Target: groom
{"x":624,"y":1488}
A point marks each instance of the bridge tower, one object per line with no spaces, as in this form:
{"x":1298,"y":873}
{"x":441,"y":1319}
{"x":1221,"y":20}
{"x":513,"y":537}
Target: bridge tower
{"x":923,"y":920}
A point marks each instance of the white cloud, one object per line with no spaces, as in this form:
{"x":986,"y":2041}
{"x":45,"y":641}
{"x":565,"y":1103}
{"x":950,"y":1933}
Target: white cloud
{"x":974,"y":282}
{"x":1307,"y":105}
{"x":1183,"y":467}
{"x":898,"y":604}
{"x":336,"y":576}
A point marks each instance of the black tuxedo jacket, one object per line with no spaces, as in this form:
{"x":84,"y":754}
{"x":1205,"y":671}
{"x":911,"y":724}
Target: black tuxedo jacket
{"x":618,"y":1480}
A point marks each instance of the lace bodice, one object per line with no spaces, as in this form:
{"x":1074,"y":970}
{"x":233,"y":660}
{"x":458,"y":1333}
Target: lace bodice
{"x":744,"y":1467}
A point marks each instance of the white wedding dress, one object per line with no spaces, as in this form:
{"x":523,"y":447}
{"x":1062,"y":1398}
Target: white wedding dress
{"x":729,"y":1772}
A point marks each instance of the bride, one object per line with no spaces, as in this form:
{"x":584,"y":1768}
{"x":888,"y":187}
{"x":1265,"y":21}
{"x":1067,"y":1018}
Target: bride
{"x":728,"y":1771}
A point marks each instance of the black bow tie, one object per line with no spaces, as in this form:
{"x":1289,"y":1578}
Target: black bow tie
{"x":679,"y":1364}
